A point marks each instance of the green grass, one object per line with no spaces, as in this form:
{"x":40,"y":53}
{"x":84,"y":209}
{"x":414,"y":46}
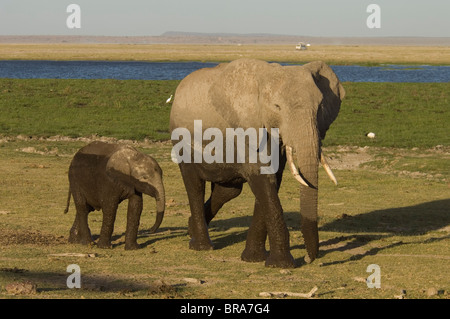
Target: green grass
{"x":392,"y":210}
{"x":415,"y":162}
{"x":401,"y":114}
{"x":395,"y":221}
{"x":123,"y":109}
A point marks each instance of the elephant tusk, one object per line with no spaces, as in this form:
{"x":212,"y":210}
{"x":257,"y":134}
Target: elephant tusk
{"x":327,"y":168}
{"x":294,"y":170}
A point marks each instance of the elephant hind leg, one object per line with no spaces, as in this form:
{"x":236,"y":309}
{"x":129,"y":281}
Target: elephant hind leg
{"x":220,"y":194}
{"x":80,"y":232}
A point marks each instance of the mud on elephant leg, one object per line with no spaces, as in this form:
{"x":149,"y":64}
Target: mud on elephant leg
{"x":265,"y":189}
{"x":109,"y":217}
{"x":220,"y":194}
{"x":195,"y":188}
{"x":135,"y":205}
{"x":255,"y":250}
{"x":80,"y":232}
{"x":255,"y":246}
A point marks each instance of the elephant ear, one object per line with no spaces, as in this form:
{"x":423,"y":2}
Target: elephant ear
{"x":119,"y":169}
{"x":234,"y":94}
{"x":333,"y":93}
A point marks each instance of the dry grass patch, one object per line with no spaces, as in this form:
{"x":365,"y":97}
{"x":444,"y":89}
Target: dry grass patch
{"x":332,"y":54}
{"x":396,"y":221}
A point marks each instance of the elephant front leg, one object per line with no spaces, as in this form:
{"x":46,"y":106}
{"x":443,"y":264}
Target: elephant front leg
{"x":109,"y":217}
{"x":255,"y":246}
{"x":264,"y":187}
{"x":195,"y":188}
{"x":135,"y":205}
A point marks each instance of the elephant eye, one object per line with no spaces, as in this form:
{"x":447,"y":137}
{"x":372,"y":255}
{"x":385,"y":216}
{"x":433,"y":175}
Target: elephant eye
{"x":277,"y":107}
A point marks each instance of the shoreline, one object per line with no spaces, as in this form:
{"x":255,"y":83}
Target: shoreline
{"x":366,"y":55}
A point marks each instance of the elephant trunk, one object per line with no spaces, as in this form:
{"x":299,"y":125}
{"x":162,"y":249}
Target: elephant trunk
{"x":160,"y":207}
{"x":308,"y":213}
{"x":307,"y":158}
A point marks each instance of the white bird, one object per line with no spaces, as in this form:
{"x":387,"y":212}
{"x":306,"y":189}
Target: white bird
{"x":370,"y":135}
{"x":169,"y":99}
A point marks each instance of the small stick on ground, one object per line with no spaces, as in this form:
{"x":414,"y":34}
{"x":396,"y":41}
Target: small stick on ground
{"x":73,"y":255}
{"x":282,"y":294}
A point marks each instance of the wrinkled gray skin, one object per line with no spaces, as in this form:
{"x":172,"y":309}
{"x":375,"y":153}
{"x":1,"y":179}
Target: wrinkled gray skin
{"x":302,"y":101}
{"x":101,"y":176}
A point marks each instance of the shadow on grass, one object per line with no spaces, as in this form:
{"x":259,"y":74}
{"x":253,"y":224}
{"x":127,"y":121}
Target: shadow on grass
{"x":162,"y":233}
{"x":358,"y":231}
{"x":406,"y":221}
{"x":46,"y":282}
{"x":383,"y":224}
{"x":224,"y":236}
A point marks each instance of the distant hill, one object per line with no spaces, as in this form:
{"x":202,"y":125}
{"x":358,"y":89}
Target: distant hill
{"x":265,"y":38}
{"x":179,"y":37}
{"x":203,"y":34}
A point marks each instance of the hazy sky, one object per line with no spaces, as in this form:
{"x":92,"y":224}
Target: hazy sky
{"x":428,"y":18}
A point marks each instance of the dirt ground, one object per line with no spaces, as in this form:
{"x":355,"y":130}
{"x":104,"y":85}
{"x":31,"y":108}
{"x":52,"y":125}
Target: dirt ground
{"x":339,"y":157}
{"x":374,"y":215}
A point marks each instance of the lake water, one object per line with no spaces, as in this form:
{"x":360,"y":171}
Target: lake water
{"x":178,"y":70}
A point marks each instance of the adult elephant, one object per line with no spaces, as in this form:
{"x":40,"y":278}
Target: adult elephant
{"x":301,"y":102}
{"x":101,"y":176}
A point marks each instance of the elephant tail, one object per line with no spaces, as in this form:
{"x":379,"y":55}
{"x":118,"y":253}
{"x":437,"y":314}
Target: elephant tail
{"x":68,"y":202}
{"x":159,"y":218}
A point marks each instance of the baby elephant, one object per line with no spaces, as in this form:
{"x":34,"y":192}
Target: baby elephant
{"x":101,"y":176}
